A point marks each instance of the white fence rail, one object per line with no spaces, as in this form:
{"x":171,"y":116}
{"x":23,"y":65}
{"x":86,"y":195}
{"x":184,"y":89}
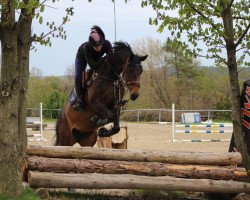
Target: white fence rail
{"x":36,"y":122}
{"x":137,"y":115}
{"x":207,"y":128}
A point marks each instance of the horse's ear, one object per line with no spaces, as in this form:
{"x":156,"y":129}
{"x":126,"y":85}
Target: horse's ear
{"x":142,"y":58}
{"x":131,"y":57}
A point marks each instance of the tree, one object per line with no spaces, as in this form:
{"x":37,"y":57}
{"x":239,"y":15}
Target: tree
{"x":171,"y":74}
{"x":0,"y":64}
{"x":55,"y":100}
{"x":223,"y":26}
{"x":36,"y":72}
{"x":16,"y":38}
{"x":69,"y":78}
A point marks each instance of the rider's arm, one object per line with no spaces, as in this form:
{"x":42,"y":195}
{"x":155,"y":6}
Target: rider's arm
{"x":91,"y":62}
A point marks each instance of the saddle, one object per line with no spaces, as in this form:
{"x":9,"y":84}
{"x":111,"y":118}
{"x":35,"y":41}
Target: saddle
{"x":87,"y":80}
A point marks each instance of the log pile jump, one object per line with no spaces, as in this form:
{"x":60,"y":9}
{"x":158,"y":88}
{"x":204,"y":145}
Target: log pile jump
{"x":94,"y":168}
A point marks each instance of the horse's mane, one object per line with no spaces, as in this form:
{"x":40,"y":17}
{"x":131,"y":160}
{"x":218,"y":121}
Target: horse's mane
{"x":119,"y":46}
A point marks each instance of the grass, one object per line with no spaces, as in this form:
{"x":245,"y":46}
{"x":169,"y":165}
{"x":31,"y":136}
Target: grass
{"x":27,"y":194}
{"x":76,"y":196}
{"x":133,"y":195}
{"x":49,"y":120}
{"x":158,"y":194}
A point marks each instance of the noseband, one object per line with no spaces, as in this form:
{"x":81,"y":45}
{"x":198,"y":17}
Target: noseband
{"x":130,"y":83}
{"x":133,"y":84}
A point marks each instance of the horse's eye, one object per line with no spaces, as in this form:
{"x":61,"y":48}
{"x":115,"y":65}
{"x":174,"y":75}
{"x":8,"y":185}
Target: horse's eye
{"x":140,"y":70}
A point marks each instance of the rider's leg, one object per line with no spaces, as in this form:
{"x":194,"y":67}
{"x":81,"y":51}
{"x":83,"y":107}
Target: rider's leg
{"x":79,"y":68}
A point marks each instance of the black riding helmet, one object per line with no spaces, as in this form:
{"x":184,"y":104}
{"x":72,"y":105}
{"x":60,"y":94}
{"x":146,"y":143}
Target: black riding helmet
{"x":96,"y":37}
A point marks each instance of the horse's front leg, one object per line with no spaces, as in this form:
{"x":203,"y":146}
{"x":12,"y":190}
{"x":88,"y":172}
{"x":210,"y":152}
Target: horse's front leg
{"x":102,"y":114}
{"x":103,"y":132}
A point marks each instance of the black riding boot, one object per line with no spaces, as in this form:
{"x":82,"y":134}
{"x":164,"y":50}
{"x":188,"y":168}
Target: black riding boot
{"x":79,"y":104}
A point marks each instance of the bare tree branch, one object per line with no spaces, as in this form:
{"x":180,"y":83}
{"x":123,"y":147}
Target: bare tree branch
{"x":42,"y":2}
{"x":221,"y":59}
{"x":1,"y":29}
{"x":241,"y":17}
{"x":230,"y":5}
{"x":38,"y":39}
{"x":242,"y":35}
{"x":241,"y":49}
{"x":165,"y":99}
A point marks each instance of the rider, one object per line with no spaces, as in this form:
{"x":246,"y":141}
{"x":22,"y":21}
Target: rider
{"x":90,"y":53}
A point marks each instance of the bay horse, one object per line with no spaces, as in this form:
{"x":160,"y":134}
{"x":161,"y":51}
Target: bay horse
{"x":103,"y":99}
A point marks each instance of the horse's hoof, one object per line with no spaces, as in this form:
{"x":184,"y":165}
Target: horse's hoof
{"x":102,"y":122}
{"x":103,"y":132}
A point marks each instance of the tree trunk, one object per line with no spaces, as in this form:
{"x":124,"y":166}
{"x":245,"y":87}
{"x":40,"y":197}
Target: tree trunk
{"x":127,"y":181}
{"x":63,"y":165}
{"x":236,"y":115}
{"x":23,"y":49}
{"x":11,"y":154}
{"x":234,"y":82}
{"x":13,"y":88}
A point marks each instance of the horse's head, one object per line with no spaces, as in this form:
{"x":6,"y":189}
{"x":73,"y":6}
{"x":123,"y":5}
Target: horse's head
{"x":132,"y":73}
{"x":129,"y":64}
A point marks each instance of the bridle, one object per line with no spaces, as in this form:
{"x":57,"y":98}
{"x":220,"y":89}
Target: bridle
{"x":119,"y":83}
{"x":131,"y":83}
{"x":120,"y":79}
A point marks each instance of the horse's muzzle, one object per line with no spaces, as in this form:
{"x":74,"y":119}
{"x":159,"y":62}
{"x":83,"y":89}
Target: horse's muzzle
{"x":134,"y":96}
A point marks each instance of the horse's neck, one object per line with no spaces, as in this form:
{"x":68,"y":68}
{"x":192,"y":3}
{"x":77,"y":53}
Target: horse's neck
{"x":119,"y":60}
{"x":112,"y":67}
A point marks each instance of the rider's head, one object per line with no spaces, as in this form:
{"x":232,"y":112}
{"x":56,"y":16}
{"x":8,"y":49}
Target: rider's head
{"x":96,"y":38}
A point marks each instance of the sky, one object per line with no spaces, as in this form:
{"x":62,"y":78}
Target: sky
{"x":132,"y":24}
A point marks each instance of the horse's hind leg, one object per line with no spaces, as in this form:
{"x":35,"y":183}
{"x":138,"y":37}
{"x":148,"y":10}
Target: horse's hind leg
{"x":64,"y":133}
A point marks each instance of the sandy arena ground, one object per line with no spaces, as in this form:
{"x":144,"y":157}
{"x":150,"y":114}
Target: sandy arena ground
{"x":157,"y":137}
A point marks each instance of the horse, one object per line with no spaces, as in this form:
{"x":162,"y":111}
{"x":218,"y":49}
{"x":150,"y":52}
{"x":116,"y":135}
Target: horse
{"x":103,"y":99}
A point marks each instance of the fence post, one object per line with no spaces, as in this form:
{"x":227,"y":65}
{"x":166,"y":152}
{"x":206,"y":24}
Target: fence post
{"x":173,"y":122}
{"x":41,"y":119}
{"x":159,"y":115}
{"x":138,"y":115}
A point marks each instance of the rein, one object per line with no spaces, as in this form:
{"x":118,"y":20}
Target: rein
{"x":120,"y":82}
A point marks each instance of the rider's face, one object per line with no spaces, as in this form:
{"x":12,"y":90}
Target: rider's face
{"x":98,"y":48}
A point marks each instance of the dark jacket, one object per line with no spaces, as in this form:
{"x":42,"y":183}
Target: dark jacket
{"x":87,"y":55}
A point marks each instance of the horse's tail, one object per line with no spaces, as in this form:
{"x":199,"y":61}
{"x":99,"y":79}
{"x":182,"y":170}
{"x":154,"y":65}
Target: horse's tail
{"x":57,"y":127}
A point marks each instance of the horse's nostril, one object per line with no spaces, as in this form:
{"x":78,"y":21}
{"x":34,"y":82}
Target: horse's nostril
{"x":134,"y":96}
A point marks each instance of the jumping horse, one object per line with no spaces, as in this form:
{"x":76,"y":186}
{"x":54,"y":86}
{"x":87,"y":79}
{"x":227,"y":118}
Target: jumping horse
{"x":103,"y":99}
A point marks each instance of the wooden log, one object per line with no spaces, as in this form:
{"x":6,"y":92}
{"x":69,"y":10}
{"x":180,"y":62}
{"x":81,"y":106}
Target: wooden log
{"x":202,"y":158}
{"x":104,"y":142}
{"x":127,"y":181}
{"x":117,"y":141}
{"x":138,"y":168}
